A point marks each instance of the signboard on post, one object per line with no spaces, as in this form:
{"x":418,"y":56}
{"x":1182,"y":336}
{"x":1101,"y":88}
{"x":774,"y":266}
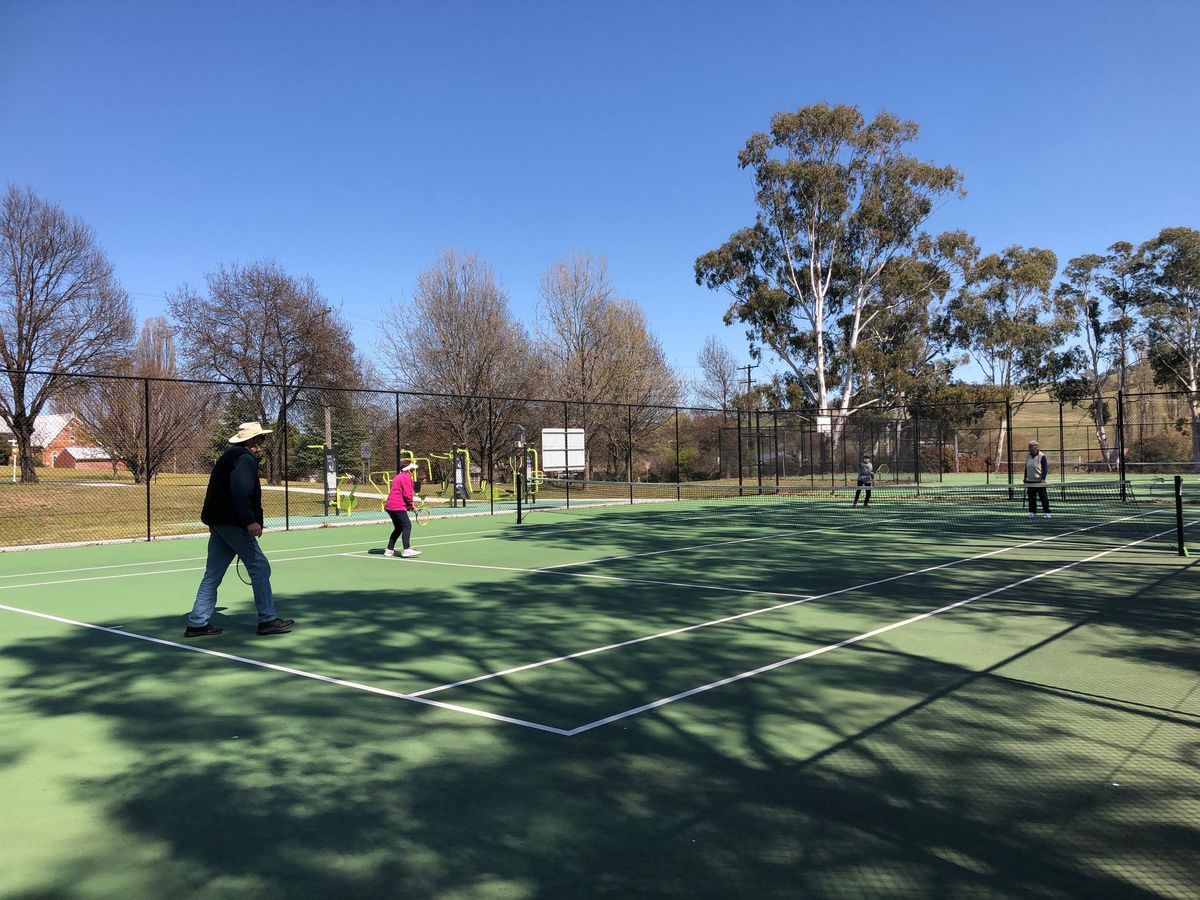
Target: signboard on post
{"x":331,"y":467}
{"x":563,"y":450}
{"x":364,"y":450}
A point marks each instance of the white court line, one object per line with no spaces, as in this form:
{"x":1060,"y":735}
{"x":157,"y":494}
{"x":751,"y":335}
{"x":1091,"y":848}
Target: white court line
{"x":288,"y":670}
{"x":726,"y":619}
{"x":616,"y":717}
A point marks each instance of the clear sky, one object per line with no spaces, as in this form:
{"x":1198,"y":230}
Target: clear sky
{"x":352,"y":141}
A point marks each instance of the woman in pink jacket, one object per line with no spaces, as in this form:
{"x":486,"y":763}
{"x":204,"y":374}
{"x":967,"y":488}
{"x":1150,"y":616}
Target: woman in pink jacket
{"x":398,"y":505}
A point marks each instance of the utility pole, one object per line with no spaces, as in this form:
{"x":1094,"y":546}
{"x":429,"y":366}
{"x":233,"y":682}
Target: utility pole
{"x":748,"y":367}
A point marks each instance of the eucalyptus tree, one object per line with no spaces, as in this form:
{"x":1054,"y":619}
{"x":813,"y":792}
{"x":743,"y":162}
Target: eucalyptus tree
{"x":1169,"y":300}
{"x":61,"y":311}
{"x":838,"y":200}
{"x":1079,"y":299}
{"x":1005,"y":319}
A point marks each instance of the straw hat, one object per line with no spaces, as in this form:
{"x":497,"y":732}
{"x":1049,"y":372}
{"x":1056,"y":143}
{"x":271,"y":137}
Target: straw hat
{"x":248,"y":431}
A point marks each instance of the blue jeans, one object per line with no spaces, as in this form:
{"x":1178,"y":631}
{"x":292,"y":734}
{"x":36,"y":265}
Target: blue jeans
{"x":224,"y":543}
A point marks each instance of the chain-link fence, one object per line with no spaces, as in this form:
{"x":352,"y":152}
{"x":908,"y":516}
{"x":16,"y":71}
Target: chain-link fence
{"x":129,"y":458}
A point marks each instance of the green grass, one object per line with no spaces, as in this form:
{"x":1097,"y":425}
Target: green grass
{"x":1033,"y":742}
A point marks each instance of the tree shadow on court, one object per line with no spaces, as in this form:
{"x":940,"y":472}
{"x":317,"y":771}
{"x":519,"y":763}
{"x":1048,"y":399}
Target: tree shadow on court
{"x":874,"y":771}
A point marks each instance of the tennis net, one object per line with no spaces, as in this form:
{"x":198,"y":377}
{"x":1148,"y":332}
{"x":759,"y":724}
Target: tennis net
{"x":1109,"y":504}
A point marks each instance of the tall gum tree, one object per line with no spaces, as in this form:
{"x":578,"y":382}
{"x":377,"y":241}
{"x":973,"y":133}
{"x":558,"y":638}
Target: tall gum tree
{"x":1170,"y":302}
{"x":838,"y":199}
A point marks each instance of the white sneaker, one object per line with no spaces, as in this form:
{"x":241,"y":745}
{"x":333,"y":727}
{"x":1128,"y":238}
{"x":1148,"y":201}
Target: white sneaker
{"x":1045,"y":515}
{"x":410,"y":553}
{"x":389,"y":552}
{"x":1031,"y":515}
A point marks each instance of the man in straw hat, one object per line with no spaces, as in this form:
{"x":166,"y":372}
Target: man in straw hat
{"x":234,"y":515}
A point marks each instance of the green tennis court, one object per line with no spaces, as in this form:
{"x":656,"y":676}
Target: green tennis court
{"x":719,"y":696}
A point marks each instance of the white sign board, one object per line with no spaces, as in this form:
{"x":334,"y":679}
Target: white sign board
{"x":562,"y":450}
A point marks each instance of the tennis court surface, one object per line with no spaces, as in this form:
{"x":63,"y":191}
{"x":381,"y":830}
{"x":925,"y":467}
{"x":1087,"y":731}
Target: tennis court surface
{"x":768,"y":696}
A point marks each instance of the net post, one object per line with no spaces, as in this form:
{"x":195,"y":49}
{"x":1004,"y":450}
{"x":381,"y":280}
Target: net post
{"x":519,"y":484}
{"x":1179,"y":516}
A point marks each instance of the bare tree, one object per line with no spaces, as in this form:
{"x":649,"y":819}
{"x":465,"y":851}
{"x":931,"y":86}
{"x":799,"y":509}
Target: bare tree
{"x":719,"y":374}
{"x":117,"y":411}
{"x":459,"y":338}
{"x":61,"y":310}
{"x":600,"y":352}
{"x":271,"y":333}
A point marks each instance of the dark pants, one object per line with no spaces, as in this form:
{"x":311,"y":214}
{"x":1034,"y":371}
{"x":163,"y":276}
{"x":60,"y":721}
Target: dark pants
{"x":861,"y":485}
{"x":402,"y":529}
{"x":1038,"y":492}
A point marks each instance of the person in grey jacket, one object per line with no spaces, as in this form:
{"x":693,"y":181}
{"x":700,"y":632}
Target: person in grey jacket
{"x":234,"y":515}
{"x":866,"y":477}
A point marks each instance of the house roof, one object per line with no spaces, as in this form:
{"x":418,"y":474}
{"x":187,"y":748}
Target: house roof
{"x":85,"y":454}
{"x":47,"y":428}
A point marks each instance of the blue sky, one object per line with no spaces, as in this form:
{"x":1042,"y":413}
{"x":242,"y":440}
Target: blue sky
{"x":354,"y":141}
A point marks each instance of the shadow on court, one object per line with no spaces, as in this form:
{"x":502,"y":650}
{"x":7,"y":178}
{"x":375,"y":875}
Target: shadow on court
{"x":877,"y":772}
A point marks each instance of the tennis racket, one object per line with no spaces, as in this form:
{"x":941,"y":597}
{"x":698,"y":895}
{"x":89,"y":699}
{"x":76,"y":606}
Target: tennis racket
{"x":245,"y":579}
{"x":881,"y":469}
{"x":421,"y":511}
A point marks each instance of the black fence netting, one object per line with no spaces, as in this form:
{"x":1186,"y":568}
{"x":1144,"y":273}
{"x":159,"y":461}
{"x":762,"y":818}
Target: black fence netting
{"x":129,"y":458}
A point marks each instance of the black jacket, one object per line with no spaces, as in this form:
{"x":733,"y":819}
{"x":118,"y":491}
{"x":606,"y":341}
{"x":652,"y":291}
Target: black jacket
{"x":234,"y":496}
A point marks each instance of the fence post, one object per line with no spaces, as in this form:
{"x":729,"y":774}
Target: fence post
{"x":397,"y":396}
{"x":629,"y":446}
{"x":678,"y":474}
{"x":775,"y":432}
{"x":491,"y":452}
{"x":916,"y":424}
{"x":1062,"y":453}
{"x":1008,"y":438}
{"x":1121,"y":473}
{"x":146,"y":468}
{"x":739,"y":451}
{"x":287,"y":488}
{"x":758,"y":447}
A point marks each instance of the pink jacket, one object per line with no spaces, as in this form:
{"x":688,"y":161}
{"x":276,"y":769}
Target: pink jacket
{"x":401,"y":494}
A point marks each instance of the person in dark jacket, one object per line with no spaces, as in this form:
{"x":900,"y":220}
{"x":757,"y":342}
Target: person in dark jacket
{"x":234,"y":515}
